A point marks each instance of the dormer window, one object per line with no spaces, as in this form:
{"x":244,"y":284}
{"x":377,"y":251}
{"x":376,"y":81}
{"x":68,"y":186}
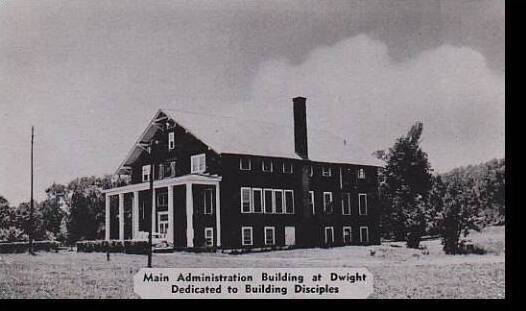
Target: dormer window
{"x":266,"y":165}
{"x":171,"y":140}
{"x":198,"y":163}
{"x":326,"y":171}
{"x":361,"y":173}
{"x":145,"y":173}
{"x":245,"y":164}
{"x":287,"y":168}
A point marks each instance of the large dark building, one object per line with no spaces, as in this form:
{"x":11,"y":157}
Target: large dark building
{"x":226,"y":182}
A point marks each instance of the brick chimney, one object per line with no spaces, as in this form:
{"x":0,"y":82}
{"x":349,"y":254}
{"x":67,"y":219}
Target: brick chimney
{"x":300,"y":127}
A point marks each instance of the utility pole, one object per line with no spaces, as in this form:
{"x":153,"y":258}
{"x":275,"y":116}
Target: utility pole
{"x":152,"y":175}
{"x":30,"y":233}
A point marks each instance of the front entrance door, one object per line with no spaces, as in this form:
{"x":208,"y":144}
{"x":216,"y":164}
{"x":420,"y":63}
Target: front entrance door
{"x":162,"y":222}
{"x":290,"y":236}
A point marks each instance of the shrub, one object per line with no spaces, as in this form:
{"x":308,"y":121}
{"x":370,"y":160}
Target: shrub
{"x":113,"y":246}
{"x":22,"y":247}
{"x":12,"y":234}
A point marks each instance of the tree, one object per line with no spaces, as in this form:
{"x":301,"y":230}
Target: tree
{"x":460,"y":214}
{"x":22,"y":220}
{"x":52,"y":208}
{"x":86,"y":217}
{"x":6,"y":213}
{"x":405,"y":188}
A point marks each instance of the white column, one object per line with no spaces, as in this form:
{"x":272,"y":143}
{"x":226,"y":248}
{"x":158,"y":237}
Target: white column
{"x":107,"y":227}
{"x":189,"y":216}
{"x":135,"y":215}
{"x":121,"y":216}
{"x":154,"y":211}
{"x":171,"y":225}
{"x":218,"y":216}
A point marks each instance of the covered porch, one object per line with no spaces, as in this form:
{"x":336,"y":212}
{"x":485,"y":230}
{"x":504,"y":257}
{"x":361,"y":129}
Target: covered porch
{"x":179,"y":206}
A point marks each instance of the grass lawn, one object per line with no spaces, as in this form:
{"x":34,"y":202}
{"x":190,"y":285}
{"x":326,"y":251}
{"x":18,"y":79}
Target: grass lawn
{"x":399,"y":272}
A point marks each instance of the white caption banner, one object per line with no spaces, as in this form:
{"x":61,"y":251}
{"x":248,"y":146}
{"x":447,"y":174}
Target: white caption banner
{"x":253,"y":283}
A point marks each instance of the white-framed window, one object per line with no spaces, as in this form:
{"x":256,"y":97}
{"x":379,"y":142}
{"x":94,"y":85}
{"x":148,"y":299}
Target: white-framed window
{"x":327,"y":202}
{"x":326,"y":171}
{"x":208,"y":201}
{"x":172,"y":169}
{"x":245,"y":164}
{"x":198,"y":163}
{"x":311,"y":171}
{"x":287,"y":167}
{"x":246,"y":236}
{"x":246,"y":204}
{"x":361,"y":173}
{"x":362,"y":203}
{"x":347,"y":235}
{"x":257,"y":200}
{"x":278,"y":202}
{"x":145,"y":173}
{"x":364,"y":234}
{"x":311,"y":202}
{"x":329,"y":235}
{"x":289,"y":201}
{"x":162,"y":222}
{"x":162,"y":199}
{"x":346,"y":203}
{"x":160,"y":172}
{"x":270,"y":236}
{"x":267,"y":165}
{"x":171,"y":140}
{"x":268,"y":199}
{"x":209,"y":236}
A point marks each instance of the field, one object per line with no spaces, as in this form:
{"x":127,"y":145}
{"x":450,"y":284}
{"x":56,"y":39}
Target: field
{"x":398,"y":272}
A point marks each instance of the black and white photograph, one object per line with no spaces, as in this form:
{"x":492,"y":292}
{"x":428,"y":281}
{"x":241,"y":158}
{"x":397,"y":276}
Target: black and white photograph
{"x":252,"y":149}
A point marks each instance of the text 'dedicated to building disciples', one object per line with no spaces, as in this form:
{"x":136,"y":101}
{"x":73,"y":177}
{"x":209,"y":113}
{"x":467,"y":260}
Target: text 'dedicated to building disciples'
{"x":253,"y":283}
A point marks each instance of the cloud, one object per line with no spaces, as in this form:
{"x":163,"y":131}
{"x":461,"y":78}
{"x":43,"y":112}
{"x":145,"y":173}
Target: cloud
{"x":357,"y":91}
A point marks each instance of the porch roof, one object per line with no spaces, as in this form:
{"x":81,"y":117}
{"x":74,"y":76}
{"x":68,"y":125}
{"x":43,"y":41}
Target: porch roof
{"x":174,"y":181}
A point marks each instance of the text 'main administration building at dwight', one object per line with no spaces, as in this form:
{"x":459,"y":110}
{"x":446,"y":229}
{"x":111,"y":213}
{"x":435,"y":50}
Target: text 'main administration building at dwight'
{"x":231,"y":183}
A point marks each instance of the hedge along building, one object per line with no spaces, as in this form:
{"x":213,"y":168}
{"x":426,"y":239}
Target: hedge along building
{"x":226,"y":182}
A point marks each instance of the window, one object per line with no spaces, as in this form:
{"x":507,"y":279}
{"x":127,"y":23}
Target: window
{"x":145,"y":173}
{"x":364,"y":234}
{"x":162,"y":222}
{"x":266,"y":165}
{"x":329,"y":235}
{"x":171,"y":140}
{"x":278,"y":201}
{"x":208,"y":201}
{"x":346,"y":203}
{"x":246,"y":236}
{"x":160,"y":172}
{"x":245,"y":200}
{"x":311,"y":202}
{"x":198,"y":163}
{"x":270,"y":236}
{"x":245,"y":164}
{"x":289,"y":201}
{"x":361,"y":173}
{"x":269,"y":197}
{"x":347,"y":235}
{"x":257,"y":200}
{"x":327,"y":202}
{"x":326,"y":171}
{"x":311,"y":171}
{"x":172,"y":169}
{"x":287,"y":168}
{"x":209,"y":236}
{"x":162,"y":199}
{"x":362,"y":204}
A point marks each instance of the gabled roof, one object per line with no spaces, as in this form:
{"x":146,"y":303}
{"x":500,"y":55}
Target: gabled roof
{"x":228,"y":134}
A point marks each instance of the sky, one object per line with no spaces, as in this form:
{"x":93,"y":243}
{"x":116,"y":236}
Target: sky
{"x":89,"y":75}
